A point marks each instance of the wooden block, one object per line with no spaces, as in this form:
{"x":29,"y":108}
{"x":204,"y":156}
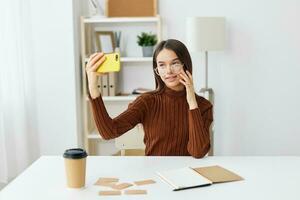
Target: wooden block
{"x":145,"y":182}
{"x":106,"y":184}
{"x":122,"y":186}
{"x":110,"y":193}
{"x":106,"y":181}
{"x":133,"y":192}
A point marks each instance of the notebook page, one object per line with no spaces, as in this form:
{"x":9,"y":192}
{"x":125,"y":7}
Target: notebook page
{"x":183,"y":178}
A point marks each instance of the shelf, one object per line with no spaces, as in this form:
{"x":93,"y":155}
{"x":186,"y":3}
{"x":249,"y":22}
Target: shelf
{"x":103,"y":19}
{"x":131,"y":59}
{"x":136,"y":59}
{"x":118,"y":98}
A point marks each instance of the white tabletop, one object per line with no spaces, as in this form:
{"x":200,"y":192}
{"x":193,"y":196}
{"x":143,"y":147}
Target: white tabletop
{"x":265,"y":178}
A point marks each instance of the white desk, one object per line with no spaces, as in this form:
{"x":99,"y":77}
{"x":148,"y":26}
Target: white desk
{"x":267,"y":178}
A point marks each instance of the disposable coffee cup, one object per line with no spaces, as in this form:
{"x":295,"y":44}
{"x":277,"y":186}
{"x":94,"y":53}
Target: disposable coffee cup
{"x":75,"y":166}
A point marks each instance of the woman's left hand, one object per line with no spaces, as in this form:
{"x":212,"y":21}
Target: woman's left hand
{"x":187,"y":81}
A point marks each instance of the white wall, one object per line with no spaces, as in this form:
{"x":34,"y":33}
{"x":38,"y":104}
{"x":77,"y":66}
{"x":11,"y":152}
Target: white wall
{"x":256,"y":80}
{"x":56,"y":74}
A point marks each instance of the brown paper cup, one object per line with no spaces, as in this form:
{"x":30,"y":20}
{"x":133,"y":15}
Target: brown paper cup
{"x":75,"y":166}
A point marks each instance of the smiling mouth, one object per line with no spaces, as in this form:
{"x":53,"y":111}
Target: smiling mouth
{"x":170,"y":78}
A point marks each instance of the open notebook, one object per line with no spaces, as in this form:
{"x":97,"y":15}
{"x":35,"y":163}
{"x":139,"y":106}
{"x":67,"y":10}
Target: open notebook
{"x":187,"y":177}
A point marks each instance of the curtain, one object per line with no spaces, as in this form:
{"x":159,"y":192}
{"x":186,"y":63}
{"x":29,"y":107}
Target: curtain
{"x":18,"y":121}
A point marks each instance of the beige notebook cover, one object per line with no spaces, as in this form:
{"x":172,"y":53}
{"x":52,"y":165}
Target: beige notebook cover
{"x":218,"y":174}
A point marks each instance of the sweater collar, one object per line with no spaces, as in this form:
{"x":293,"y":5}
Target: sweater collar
{"x":174,"y":93}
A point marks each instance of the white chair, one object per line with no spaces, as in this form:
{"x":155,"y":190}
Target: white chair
{"x":131,"y":143}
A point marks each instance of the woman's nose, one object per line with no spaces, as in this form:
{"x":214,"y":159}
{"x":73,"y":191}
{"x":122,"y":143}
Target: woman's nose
{"x":169,"y":70}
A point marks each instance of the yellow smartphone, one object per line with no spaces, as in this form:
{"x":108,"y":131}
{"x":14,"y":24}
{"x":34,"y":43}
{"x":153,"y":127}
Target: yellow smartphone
{"x":111,"y":63}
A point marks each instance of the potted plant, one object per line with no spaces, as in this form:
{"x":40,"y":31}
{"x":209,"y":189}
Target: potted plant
{"x":147,"y":42}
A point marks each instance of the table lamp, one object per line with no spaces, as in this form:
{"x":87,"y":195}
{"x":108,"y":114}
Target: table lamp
{"x":205,"y":34}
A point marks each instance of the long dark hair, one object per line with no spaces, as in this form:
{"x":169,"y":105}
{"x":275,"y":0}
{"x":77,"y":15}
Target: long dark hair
{"x":182,"y":53}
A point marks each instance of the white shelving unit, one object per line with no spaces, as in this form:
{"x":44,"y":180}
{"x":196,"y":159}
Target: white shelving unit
{"x":114,"y":104}
{"x":100,"y":19}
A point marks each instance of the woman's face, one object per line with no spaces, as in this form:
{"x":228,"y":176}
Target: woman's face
{"x":168,"y":68}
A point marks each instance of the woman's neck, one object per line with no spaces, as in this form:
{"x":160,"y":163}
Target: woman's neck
{"x":177,"y":87}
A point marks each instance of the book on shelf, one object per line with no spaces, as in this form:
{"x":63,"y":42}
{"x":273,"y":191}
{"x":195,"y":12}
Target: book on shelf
{"x":112,"y":83}
{"x":105,"y":85}
{"x":100,"y":84}
{"x":187,"y":177}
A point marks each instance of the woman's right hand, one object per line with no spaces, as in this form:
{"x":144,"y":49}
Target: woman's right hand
{"x":93,"y":64}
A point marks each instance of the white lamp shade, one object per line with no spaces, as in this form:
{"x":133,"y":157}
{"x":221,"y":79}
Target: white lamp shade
{"x":205,"y":33}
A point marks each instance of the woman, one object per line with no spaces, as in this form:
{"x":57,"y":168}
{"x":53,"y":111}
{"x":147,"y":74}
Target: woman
{"x":176,"y":121}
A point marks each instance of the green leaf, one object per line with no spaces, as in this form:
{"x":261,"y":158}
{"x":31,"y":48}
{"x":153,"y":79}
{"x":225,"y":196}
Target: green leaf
{"x":146,"y":39}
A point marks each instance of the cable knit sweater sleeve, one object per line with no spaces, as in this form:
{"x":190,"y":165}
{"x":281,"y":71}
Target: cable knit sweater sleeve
{"x":110,"y":128}
{"x":199,"y":124}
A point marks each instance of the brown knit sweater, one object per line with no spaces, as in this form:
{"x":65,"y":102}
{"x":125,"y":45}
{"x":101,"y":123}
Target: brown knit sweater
{"x":171,"y":129}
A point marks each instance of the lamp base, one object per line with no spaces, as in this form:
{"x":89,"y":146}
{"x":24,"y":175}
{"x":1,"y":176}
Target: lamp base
{"x":208,"y":93}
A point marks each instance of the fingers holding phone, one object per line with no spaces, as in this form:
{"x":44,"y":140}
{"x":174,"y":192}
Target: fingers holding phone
{"x":100,"y":64}
{"x":103,"y":63}
{"x":94,"y":62}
